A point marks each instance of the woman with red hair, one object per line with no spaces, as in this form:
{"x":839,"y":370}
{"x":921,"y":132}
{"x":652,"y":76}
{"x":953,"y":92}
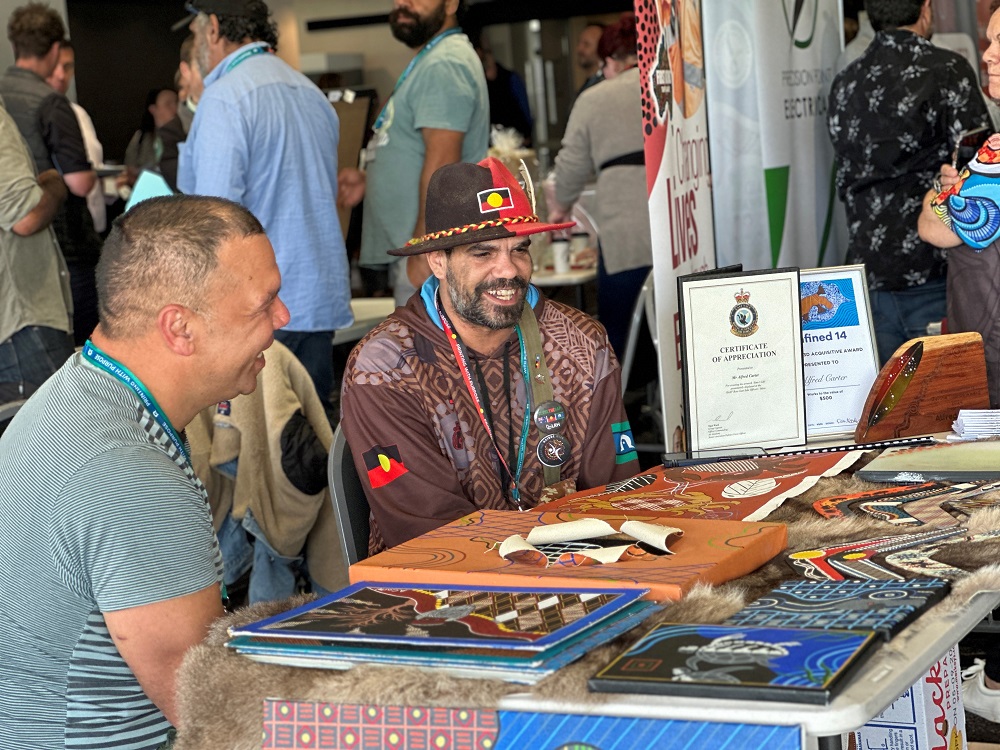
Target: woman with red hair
{"x":604,"y":135}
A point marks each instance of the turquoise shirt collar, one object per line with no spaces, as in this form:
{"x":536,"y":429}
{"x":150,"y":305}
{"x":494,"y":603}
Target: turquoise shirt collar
{"x":429,"y":291}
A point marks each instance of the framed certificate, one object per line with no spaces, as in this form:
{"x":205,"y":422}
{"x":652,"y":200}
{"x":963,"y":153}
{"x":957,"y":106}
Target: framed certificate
{"x":741,"y":346}
{"x":838,"y":348}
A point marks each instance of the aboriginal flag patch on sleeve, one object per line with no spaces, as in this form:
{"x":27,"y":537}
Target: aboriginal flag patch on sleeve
{"x":383,"y":465}
{"x":624,"y":443}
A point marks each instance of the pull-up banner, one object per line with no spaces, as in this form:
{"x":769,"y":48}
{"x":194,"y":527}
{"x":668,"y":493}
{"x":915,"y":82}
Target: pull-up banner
{"x":770,"y":64}
{"x":678,"y":175}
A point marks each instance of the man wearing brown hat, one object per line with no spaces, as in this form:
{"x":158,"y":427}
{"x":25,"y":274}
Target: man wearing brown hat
{"x":480,"y":393}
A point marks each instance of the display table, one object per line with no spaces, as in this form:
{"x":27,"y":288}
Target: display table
{"x":368,"y":313}
{"x":222,"y":695}
{"x":575,"y":277}
{"x":890,"y":671}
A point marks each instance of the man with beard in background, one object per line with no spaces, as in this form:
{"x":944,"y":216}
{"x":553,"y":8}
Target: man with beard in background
{"x":480,"y":393}
{"x":438,"y":114}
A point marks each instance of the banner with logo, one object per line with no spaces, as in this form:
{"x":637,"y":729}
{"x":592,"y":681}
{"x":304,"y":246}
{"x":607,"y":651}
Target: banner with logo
{"x":770,"y":65}
{"x":678,"y":175}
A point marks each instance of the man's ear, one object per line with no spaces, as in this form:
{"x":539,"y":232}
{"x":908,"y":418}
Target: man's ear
{"x":174,"y":322}
{"x":212,"y":30}
{"x":451,"y":7}
{"x":438,"y":261}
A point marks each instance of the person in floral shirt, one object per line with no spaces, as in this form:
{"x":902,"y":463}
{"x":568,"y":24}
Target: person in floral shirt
{"x":894,"y":116}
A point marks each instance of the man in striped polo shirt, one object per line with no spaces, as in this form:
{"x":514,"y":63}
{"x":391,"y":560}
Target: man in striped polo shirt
{"x":109,"y":568}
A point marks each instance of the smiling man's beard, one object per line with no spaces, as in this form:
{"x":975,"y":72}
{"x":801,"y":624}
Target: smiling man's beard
{"x":421,"y":31}
{"x":472,"y":309}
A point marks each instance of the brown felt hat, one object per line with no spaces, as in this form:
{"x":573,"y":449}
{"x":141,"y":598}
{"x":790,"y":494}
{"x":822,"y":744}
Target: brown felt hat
{"x":469,"y":203}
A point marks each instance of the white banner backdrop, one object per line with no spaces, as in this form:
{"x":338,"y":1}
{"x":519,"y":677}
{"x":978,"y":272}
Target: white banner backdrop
{"x":770,"y":64}
{"x":672,"y":70}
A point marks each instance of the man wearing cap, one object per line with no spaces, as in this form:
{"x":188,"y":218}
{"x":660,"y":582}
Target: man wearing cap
{"x":266,"y":137}
{"x":480,"y":393}
{"x":438,"y":113}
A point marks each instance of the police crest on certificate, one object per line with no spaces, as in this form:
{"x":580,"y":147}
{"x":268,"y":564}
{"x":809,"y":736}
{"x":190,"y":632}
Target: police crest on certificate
{"x":741,"y":357}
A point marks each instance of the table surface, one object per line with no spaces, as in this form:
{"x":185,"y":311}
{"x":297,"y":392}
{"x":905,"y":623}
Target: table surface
{"x":368,"y":313}
{"x":882,"y":678}
{"x":547,"y":277}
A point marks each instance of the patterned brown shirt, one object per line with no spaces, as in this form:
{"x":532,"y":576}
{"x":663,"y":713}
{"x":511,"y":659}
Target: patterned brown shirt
{"x":422,"y":453}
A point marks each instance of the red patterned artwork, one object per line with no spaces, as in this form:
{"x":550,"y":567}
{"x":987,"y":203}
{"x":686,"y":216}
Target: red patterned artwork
{"x":747,"y":489}
{"x":309,"y":724}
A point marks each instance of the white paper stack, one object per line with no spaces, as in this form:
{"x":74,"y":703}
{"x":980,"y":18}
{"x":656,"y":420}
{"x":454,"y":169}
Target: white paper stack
{"x":975,"y":424}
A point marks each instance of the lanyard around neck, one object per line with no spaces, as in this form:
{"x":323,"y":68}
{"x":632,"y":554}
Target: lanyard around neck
{"x":246,"y":54}
{"x":463,"y":364}
{"x":117,"y":370}
{"x":409,"y":69}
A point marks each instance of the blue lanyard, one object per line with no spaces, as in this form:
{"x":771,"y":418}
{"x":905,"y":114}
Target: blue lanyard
{"x":459,"y":351}
{"x":245,"y":54}
{"x":409,"y":69}
{"x":117,"y":370}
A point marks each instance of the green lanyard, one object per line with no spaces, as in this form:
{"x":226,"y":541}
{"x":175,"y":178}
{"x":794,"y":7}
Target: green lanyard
{"x":102,"y":361}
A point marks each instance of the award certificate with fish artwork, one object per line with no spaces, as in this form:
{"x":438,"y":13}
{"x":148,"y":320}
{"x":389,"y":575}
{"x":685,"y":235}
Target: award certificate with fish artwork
{"x":741,"y":349}
{"x":838,"y":348}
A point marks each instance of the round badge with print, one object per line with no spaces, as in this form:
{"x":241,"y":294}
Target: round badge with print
{"x":550,"y":416}
{"x":553,"y":450}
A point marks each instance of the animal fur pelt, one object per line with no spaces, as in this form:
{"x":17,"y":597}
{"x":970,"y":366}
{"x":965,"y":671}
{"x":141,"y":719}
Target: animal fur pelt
{"x":221,"y":694}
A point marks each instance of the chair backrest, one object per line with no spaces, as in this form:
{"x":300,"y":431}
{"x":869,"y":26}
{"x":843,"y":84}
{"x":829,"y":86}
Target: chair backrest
{"x":7,"y":412}
{"x":350,"y":506}
{"x":643,"y":308}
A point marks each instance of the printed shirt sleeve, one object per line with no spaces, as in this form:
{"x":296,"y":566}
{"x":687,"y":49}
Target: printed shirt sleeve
{"x":609,"y":448}
{"x":411,"y":485}
{"x":214,"y":161}
{"x":130,"y":538}
{"x":61,"y":132}
{"x":964,"y":106}
{"x":445,"y":95}
{"x":19,"y":190}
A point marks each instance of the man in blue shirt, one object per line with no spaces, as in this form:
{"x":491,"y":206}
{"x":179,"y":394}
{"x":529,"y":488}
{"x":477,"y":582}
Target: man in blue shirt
{"x":266,"y":137}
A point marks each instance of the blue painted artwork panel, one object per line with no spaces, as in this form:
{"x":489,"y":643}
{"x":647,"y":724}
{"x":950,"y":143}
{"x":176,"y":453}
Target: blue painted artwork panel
{"x":738,"y":662}
{"x":571,"y":732}
{"x":883,"y":606}
{"x":828,"y":304}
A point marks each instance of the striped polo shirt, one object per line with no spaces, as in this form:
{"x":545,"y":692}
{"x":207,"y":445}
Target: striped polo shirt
{"x":98,"y":512}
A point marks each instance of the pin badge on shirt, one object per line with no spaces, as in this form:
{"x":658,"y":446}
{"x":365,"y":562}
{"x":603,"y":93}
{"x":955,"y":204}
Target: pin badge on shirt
{"x":553,"y":450}
{"x":550,"y":416}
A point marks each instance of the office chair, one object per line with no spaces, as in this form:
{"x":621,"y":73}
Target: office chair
{"x":350,"y":506}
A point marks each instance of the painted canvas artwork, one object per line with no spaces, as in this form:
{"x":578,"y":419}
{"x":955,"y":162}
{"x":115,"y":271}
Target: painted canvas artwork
{"x":463,"y":616}
{"x":332,"y":726}
{"x":746,"y":489}
{"x":883,"y":606}
{"x":931,"y":503}
{"x":738,"y":662}
{"x":466,"y":552}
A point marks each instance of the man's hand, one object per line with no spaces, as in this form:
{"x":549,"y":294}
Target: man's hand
{"x":948,"y":176}
{"x":350,"y":187}
{"x":929,"y":225}
{"x":53,"y":195}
